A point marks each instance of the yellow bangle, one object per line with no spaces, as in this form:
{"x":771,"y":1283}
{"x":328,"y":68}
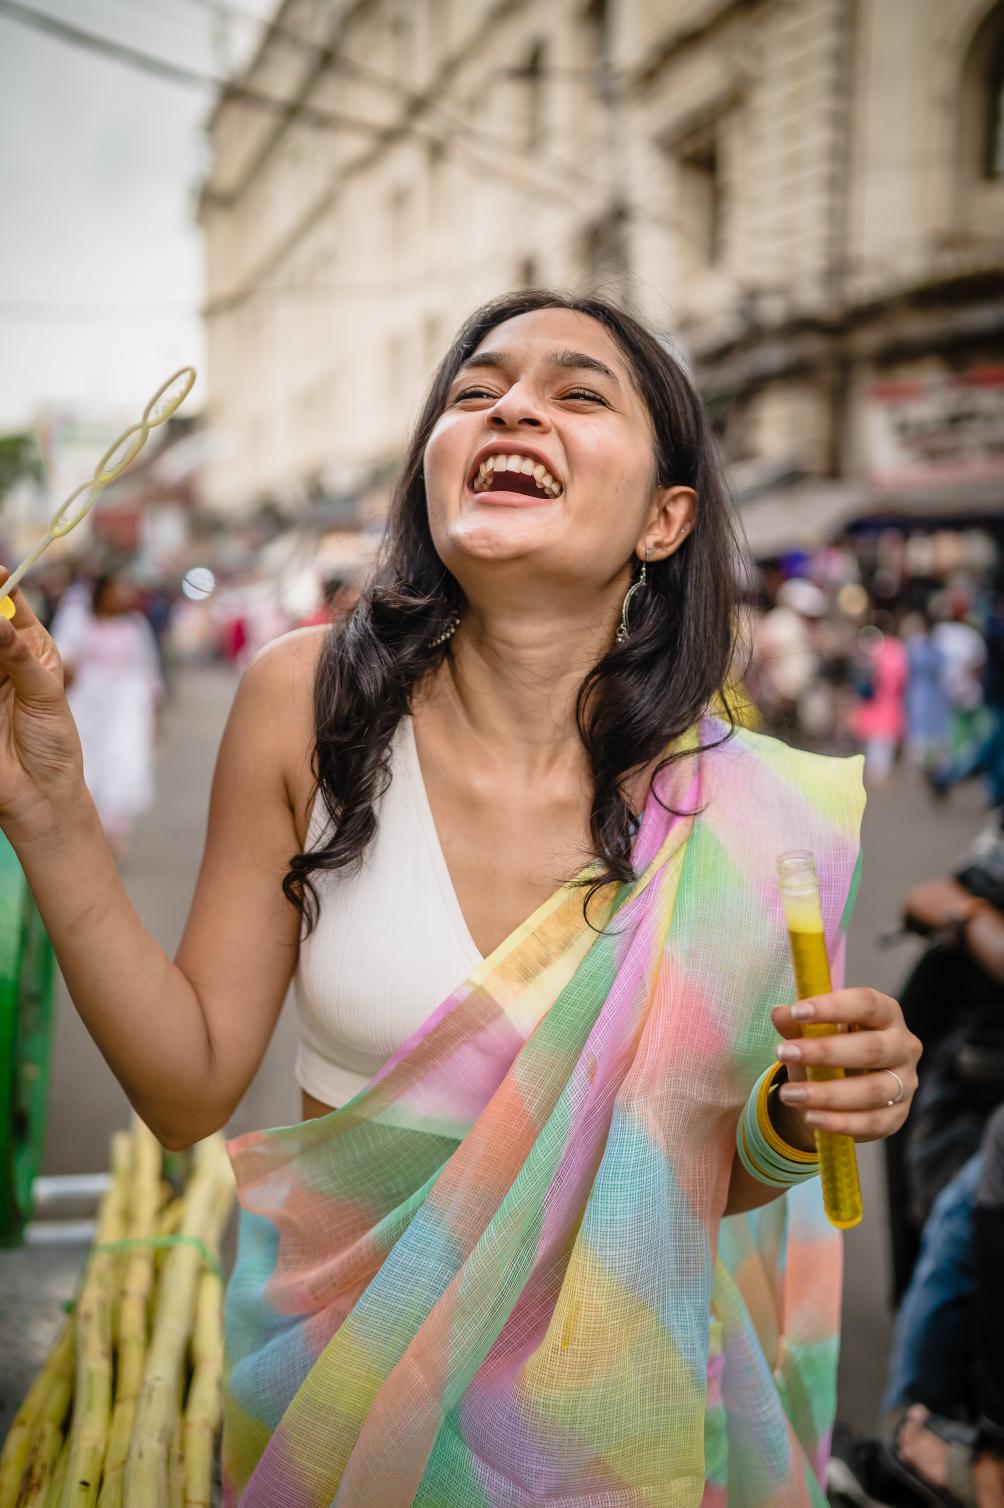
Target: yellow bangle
{"x":770,"y":1136}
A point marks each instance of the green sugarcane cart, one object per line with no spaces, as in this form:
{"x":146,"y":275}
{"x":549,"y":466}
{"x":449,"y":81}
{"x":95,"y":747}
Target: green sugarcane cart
{"x":27,"y":980}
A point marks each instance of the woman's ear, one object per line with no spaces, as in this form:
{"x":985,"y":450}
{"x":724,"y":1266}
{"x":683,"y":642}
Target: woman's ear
{"x":669,"y":522}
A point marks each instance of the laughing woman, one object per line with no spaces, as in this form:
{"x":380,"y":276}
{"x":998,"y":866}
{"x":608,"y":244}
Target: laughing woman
{"x":526,"y":882}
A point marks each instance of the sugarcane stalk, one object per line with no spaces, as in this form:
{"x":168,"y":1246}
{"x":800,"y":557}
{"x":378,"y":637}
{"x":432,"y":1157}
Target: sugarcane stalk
{"x":48,"y":1438}
{"x":59,"y":1476}
{"x":17,"y":1446}
{"x":137,"y":1287}
{"x":93,"y":1315}
{"x":202,"y":1410}
{"x":47,"y":1444}
{"x":169,"y":1220}
{"x":146,"y":1476}
{"x":176,"y":1466}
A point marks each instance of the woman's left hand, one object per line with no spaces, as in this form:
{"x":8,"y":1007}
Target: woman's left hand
{"x":875,"y":1048}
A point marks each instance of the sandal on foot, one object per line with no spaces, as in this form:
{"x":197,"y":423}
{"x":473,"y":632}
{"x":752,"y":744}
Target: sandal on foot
{"x":961,"y":1440}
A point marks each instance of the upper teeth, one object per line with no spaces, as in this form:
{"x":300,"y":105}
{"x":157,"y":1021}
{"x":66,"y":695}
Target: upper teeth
{"x":545,"y":481}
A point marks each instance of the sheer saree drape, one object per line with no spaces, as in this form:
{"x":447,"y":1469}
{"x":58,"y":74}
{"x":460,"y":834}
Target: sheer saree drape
{"x":495,"y":1279}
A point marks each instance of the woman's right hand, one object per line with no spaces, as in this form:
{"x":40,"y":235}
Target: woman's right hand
{"x":40,"y":756}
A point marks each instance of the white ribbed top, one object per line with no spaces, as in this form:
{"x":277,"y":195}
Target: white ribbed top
{"x":390,"y":943}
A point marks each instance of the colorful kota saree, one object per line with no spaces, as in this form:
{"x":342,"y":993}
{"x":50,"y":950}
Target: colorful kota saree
{"x":499,"y":1277}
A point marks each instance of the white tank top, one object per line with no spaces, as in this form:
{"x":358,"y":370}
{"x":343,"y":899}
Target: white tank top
{"x":390,"y":942}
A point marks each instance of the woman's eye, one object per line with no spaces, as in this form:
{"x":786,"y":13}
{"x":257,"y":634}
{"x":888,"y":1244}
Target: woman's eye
{"x":581,"y":394}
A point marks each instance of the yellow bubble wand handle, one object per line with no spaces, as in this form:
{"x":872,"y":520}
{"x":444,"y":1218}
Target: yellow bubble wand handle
{"x":838,"y":1165}
{"x":119,"y":455}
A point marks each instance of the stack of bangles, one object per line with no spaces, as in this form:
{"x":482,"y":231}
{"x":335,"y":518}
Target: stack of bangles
{"x":761,"y":1151}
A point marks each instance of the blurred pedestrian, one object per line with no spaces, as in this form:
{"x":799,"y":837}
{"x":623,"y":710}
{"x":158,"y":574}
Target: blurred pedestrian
{"x":337,"y":597}
{"x":928,"y":710}
{"x":114,"y":687}
{"x":52,"y":581}
{"x":784,"y":654}
{"x":878,"y":719}
{"x":985,"y":756}
{"x":964,"y":651}
{"x":157,"y":602}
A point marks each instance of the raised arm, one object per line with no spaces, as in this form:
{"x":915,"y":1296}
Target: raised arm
{"x":183,"y":1037}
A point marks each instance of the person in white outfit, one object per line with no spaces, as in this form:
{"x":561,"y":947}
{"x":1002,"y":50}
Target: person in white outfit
{"x":114,"y":689}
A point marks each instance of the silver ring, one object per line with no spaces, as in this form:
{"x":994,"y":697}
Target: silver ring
{"x":902,"y":1087}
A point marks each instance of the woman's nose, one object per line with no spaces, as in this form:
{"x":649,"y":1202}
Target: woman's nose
{"x":515,"y":408}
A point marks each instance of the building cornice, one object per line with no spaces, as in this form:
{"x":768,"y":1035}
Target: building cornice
{"x":928,"y":318}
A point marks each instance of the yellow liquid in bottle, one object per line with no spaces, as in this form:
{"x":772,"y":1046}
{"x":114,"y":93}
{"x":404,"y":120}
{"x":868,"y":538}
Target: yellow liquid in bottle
{"x":838,"y":1168}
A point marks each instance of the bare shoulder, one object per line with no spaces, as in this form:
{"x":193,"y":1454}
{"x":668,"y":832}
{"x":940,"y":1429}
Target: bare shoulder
{"x":275,"y":704}
{"x":291,"y":657}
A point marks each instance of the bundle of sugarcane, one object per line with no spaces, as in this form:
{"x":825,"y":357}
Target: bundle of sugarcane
{"x":125,"y":1411}
{"x":152,"y":1466}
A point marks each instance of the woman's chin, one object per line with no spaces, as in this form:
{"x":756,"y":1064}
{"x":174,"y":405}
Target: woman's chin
{"x":501,"y":534}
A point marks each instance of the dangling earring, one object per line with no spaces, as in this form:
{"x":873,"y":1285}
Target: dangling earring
{"x":448,"y":631}
{"x":636,"y":586}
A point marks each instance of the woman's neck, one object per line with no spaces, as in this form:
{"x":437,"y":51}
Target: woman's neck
{"x":509,"y":688}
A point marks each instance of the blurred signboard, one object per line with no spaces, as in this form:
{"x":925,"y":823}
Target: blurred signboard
{"x":940,"y":428}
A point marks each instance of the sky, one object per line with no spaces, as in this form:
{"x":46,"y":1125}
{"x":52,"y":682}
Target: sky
{"x":100,"y":257}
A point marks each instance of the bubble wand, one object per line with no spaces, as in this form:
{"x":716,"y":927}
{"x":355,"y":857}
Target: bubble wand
{"x":838,"y":1167}
{"x":117,"y":458}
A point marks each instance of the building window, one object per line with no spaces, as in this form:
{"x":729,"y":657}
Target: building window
{"x":534,"y":74}
{"x":994,"y":153}
{"x":981,"y":103}
{"x":593,"y":23}
{"x":700,"y":201}
{"x":602,"y":252}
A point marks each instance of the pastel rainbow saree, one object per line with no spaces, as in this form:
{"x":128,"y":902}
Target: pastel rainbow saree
{"x":499,"y":1277}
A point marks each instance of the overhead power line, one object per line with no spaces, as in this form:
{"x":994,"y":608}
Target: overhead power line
{"x":182,"y":73}
{"x":386,"y":83}
{"x":287,"y":110}
{"x":291,"y":110}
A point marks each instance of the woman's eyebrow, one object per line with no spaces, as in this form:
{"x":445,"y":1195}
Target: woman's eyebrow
{"x":576,"y":360}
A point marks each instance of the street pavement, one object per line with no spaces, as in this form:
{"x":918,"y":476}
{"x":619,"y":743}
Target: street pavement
{"x":905,"y":840}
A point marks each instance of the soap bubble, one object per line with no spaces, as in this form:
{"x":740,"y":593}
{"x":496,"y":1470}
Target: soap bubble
{"x":198,"y":583}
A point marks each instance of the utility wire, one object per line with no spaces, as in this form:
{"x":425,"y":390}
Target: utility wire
{"x":291,"y":110}
{"x":182,"y":73}
{"x":386,"y":83}
{"x":328,"y":53}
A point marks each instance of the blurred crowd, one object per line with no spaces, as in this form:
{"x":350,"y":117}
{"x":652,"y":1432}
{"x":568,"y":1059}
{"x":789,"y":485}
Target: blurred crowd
{"x":875,"y":644}
{"x":887,"y":643}
{"x":120,"y":637}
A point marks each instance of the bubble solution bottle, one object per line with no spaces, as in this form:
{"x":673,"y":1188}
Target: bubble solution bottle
{"x":838,"y":1165}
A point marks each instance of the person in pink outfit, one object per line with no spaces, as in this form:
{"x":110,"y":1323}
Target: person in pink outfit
{"x":879,"y":718}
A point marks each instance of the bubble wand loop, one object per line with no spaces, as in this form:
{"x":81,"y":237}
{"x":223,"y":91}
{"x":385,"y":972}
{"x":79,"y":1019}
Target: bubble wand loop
{"x":117,"y":458}
{"x":838,"y":1165}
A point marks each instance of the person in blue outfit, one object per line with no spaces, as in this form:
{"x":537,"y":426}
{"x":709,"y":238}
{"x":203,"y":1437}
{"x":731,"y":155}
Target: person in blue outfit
{"x":947,"y":1358}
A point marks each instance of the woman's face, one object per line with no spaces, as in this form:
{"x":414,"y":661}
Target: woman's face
{"x":552,"y":388}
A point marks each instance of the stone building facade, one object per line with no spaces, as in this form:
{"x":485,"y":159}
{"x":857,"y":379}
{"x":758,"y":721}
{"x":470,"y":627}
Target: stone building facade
{"x":806,"y":196}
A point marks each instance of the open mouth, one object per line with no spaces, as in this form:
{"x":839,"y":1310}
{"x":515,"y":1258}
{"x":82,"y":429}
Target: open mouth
{"x":515,"y":473}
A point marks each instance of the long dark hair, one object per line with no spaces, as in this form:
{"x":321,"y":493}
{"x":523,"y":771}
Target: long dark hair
{"x":638,"y":698}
